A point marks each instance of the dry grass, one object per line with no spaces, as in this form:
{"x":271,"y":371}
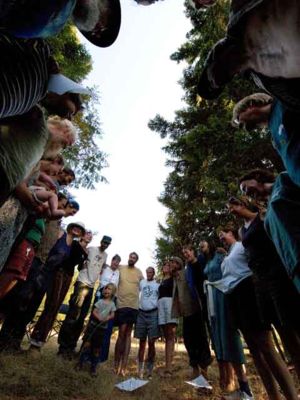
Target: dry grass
{"x":48,"y":377}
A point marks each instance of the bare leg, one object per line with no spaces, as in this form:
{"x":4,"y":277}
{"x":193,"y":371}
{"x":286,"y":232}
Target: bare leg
{"x":151,"y":356}
{"x":120,"y":348}
{"x":141,"y":357}
{"x":44,"y":195}
{"x":291,"y":341}
{"x":229,"y":383}
{"x":127,"y":347}
{"x":269,"y":366}
{"x":169,"y":333}
{"x":141,"y":353}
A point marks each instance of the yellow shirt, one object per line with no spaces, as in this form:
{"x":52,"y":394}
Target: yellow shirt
{"x":128,"y":289}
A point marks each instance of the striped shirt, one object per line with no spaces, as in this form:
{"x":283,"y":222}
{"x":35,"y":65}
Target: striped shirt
{"x":23,"y":74}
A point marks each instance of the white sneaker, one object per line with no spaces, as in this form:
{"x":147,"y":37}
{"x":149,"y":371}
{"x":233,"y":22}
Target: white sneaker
{"x":238,"y":395}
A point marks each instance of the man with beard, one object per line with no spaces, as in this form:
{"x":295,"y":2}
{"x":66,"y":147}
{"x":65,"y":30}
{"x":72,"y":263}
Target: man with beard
{"x":127,"y":310}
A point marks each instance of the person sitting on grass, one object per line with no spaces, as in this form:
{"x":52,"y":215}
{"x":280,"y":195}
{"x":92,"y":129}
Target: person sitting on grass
{"x":104,"y":311}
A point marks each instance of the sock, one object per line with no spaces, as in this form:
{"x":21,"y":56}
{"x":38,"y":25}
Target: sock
{"x":244,"y":386}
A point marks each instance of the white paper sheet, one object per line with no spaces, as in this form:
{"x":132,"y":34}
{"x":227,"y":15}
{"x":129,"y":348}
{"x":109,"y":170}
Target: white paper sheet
{"x":200,"y":382}
{"x":131,"y":384}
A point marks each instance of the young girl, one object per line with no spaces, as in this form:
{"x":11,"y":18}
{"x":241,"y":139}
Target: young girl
{"x":104,"y":311}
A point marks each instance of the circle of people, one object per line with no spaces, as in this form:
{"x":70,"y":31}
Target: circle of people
{"x":248,"y":287}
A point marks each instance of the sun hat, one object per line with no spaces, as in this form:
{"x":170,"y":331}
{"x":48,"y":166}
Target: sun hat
{"x":178,"y":260}
{"x":104,"y":36}
{"x":25,"y":19}
{"x":60,"y":84}
{"x":76,"y":225}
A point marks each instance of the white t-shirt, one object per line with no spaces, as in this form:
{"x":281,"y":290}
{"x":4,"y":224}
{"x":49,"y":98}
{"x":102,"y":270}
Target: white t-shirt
{"x":93,"y":266}
{"x":109,"y":275}
{"x":234,"y":268}
{"x":148,"y":294}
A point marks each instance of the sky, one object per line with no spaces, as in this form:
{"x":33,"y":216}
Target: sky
{"x":136,"y":80}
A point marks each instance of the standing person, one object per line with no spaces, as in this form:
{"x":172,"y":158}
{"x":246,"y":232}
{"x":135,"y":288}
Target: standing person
{"x":225,"y":336}
{"x":81,"y":298}
{"x":109,"y":274}
{"x":20,"y":259}
{"x":58,"y":286}
{"x":276,"y":295}
{"x":194,"y":329}
{"x":237,"y":284}
{"x":26,"y":297}
{"x":103,"y":312}
{"x":147,"y":322}
{"x":127,"y":310}
{"x":282,"y":216}
{"x":165,"y":320}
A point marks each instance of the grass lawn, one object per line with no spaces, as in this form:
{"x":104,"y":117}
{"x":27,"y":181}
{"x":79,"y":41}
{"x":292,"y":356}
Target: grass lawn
{"x":45,"y":376}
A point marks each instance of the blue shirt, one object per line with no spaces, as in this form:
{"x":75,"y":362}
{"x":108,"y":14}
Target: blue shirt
{"x":285,"y":138}
{"x":37,"y":18}
{"x":282,"y":223}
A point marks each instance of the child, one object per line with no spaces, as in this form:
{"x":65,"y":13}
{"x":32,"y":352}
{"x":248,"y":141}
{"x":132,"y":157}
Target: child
{"x":44,"y":189}
{"x":104,"y":311}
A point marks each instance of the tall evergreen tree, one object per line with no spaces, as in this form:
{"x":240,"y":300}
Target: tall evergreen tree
{"x":205,"y":152}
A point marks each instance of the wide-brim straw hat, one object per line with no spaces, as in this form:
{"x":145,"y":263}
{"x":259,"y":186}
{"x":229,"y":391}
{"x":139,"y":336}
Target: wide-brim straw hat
{"x":105,"y":36}
{"x":76,"y":225}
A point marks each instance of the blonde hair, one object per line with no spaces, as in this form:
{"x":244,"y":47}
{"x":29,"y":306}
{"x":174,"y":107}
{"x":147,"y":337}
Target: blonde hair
{"x":62,"y":123}
{"x":112,"y":287}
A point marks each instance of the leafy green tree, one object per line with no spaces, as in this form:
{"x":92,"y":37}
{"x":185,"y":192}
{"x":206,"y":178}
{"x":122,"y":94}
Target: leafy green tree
{"x":72,"y":57}
{"x":206,"y":154}
{"x":85,"y":157}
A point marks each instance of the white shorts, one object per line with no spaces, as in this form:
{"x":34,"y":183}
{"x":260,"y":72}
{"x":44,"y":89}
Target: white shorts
{"x":164,"y":311}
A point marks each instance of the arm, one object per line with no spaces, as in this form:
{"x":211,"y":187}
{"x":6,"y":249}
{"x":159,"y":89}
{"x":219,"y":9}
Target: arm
{"x":111,"y":315}
{"x":97,"y":315}
{"x":46,"y":179}
{"x":25,"y":196}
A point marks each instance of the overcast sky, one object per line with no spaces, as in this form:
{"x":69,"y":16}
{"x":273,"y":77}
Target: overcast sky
{"x":137,"y":80}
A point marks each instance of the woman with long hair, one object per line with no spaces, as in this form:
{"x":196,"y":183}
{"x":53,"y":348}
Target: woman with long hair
{"x":237,"y":283}
{"x":226,"y":339}
{"x":165,"y":320}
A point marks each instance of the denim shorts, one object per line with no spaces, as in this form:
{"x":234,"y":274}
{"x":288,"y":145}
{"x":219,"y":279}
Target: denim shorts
{"x":147,"y":325}
{"x":164,"y":311}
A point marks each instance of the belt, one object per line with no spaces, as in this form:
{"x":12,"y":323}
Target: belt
{"x":148,"y":311}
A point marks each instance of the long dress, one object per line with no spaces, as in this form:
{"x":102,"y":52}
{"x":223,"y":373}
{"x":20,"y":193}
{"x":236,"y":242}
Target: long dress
{"x":225,"y":337}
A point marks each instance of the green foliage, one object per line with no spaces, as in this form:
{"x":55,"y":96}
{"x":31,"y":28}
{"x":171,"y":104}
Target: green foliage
{"x":72,"y":57}
{"x":206,"y":154}
{"x":84,"y":157}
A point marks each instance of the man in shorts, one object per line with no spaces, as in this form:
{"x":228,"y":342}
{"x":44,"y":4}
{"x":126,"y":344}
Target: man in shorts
{"x":127,"y":310}
{"x":147,"y":322}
